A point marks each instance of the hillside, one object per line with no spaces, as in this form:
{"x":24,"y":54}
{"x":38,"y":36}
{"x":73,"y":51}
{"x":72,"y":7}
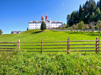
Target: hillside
{"x":25,"y":63}
{"x":48,"y":35}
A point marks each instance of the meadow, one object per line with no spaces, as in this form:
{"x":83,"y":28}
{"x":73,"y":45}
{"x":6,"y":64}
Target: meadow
{"x":24,"y":63}
{"x":47,"y":36}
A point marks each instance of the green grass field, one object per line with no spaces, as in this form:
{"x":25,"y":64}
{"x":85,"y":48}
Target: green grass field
{"x":22,"y":63}
{"x":48,"y":35}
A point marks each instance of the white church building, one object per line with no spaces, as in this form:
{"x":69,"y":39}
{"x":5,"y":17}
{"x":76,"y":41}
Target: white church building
{"x":49,"y":24}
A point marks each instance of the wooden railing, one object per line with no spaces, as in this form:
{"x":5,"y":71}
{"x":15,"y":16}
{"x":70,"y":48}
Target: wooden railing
{"x":8,"y":46}
{"x":61,"y":46}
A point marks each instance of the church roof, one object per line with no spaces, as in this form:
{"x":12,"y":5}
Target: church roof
{"x":47,"y":21}
{"x":46,"y":17}
{"x":35,"y":22}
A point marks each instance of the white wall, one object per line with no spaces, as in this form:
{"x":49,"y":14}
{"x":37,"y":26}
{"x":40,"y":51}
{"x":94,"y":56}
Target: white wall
{"x":38,"y":25}
{"x":34,"y":25}
{"x":56,"y":25}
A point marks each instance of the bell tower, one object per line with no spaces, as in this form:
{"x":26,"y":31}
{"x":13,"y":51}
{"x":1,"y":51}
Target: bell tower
{"x":46,"y":18}
{"x":42,"y":18}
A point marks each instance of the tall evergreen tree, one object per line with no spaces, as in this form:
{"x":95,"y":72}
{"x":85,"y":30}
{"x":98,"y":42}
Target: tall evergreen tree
{"x":0,"y":31}
{"x":98,"y":14}
{"x":80,"y":12}
{"x":99,"y":4}
{"x":69,"y":22}
{"x":43,"y":26}
{"x":93,"y":17}
{"x":88,"y":12}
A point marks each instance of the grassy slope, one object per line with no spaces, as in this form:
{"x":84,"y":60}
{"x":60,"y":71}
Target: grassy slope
{"x":58,"y":64}
{"x":48,"y":35}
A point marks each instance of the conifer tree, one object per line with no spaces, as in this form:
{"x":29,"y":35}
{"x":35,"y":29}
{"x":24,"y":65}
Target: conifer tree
{"x":92,"y":17}
{"x":80,"y":11}
{"x":43,"y":26}
{"x":0,"y":31}
{"x":98,"y":14}
{"x":86,"y":13}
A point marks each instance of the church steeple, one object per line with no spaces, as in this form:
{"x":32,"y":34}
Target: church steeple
{"x":42,"y":18}
{"x":46,"y":17}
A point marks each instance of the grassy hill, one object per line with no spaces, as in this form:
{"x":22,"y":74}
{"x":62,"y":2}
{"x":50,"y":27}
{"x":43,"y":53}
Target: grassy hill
{"x":48,"y":35}
{"x":24,"y":63}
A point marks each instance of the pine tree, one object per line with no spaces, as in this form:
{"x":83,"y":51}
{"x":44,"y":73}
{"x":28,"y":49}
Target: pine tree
{"x":88,"y":12}
{"x":69,"y":22}
{"x":99,"y":4}
{"x":43,"y":26}
{"x":98,"y":14}
{"x":27,"y":29}
{"x":0,"y":31}
{"x":93,"y":17}
{"x":12,"y":32}
{"x":80,"y":12}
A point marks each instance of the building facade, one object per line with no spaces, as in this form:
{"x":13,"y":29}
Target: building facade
{"x":49,"y":24}
{"x":16,"y":32}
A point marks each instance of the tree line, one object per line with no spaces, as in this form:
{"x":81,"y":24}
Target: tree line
{"x":89,"y":12}
{"x":85,"y":27}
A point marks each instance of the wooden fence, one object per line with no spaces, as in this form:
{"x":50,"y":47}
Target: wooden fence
{"x":61,"y":46}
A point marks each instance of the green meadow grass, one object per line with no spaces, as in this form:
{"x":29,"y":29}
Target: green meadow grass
{"x":22,"y":63}
{"x":47,"y":36}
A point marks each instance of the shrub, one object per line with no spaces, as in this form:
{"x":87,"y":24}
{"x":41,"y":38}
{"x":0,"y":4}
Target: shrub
{"x":86,"y":26}
{"x":60,"y":27}
{"x":81,"y":25}
{"x":75,"y":26}
{"x":98,"y":25}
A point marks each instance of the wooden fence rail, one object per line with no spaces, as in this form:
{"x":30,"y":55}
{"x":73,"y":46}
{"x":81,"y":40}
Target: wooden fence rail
{"x":53,"y":46}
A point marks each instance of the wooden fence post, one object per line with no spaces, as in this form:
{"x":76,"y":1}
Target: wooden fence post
{"x":19,"y":45}
{"x":41,"y":45}
{"x":68,"y":46}
{"x":97,"y":44}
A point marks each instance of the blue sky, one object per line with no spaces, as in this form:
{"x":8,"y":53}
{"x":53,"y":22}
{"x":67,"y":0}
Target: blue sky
{"x":15,"y":14}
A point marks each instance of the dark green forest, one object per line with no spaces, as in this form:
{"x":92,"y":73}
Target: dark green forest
{"x":89,"y":12}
